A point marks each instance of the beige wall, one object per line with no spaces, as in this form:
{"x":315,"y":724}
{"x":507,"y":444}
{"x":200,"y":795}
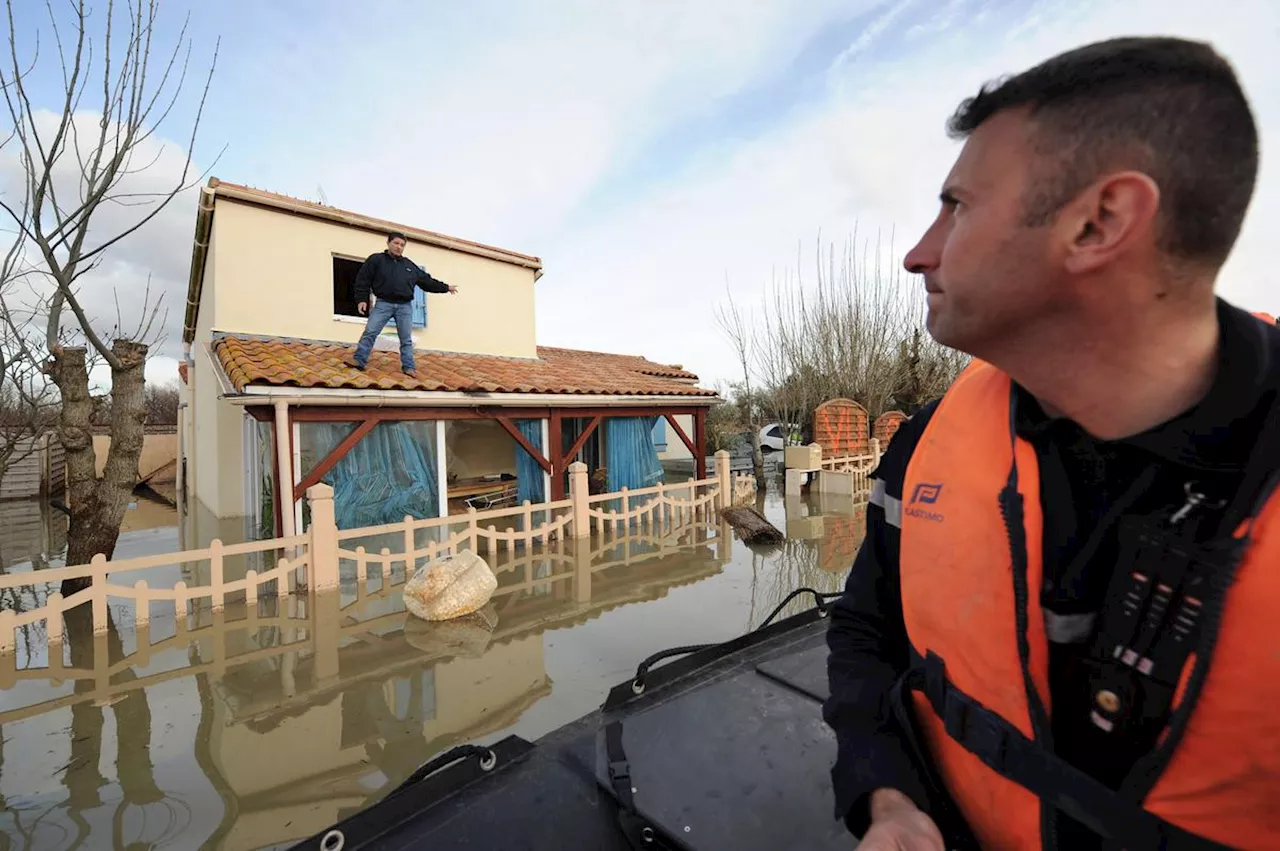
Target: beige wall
{"x":216,"y":462}
{"x":157,"y":450}
{"x":271,"y":273}
{"x":478,"y":448}
{"x":676,"y":450}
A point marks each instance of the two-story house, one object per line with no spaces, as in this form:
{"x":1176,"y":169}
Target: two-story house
{"x":490,"y":418}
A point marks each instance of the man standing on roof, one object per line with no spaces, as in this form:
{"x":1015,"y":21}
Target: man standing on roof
{"x":391,"y":277}
{"x":1061,"y":629}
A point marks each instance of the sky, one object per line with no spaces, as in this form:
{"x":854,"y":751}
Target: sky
{"x":652,"y":153}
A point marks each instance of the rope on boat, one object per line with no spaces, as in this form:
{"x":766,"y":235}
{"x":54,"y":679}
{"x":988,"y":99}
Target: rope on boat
{"x":488,"y":760}
{"x":820,"y":599}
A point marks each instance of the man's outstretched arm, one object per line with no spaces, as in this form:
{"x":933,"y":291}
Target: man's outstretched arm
{"x":433,"y":285}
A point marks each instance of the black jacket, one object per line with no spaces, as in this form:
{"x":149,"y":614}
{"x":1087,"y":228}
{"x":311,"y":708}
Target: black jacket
{"x":1081,"y":478}
{"x":392,"y":278}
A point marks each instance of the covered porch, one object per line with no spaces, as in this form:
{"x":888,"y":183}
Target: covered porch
{"x":388,"y":462}
{"x":467,"y":431}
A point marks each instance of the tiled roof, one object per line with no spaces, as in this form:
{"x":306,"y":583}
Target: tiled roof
{"x":277,"y":362}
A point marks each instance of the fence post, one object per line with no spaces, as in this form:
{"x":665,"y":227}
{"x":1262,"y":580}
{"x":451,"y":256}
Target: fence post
{"x":98,"y":576}
{"x":579,"y":493}
{"x":726,"y":479}
{"x":322,"y":543}
{"x":875,"y":452}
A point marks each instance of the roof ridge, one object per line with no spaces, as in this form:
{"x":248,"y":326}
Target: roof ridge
{"x":612,"y":355}
{"x":267,"y":194}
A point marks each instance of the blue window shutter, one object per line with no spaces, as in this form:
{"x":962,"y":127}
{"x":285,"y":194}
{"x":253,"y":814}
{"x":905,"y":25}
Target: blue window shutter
{"x":419,"y":307}
{"x":660,"y":434}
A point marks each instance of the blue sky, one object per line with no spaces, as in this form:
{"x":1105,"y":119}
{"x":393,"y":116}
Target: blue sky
{"x":649,"y":151}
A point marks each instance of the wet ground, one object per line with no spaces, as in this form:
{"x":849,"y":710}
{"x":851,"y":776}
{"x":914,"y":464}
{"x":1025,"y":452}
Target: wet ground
{"x":249,"y":730}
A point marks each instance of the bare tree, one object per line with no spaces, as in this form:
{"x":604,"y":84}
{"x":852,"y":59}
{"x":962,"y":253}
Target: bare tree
{"x":162,"y":404}
{"x":857,"y":332}
{"x":741,"y":337}
{"x":78,"y":175}
{"x":27,"y":399}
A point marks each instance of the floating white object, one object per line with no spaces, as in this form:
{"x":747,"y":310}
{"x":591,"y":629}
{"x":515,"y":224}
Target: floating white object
{"x":450,"y":587}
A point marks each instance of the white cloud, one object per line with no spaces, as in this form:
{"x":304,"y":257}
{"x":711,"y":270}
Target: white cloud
{"x":143,"y":272}
{"x":873,"y":154}
{"x":503,"y":141}
{"x":523,"y":125}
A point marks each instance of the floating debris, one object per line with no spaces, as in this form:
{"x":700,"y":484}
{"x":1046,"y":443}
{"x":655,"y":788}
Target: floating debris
{"x":751,"y":525}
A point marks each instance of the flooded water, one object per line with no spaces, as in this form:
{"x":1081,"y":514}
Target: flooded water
{"x":254,"y":729}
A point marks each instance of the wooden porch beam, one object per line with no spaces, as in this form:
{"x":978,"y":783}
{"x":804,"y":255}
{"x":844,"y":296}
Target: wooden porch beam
{"x":700,"y":438}
{"x":335,"y":455}
{"x":333,"y":413}
{"x":353,"y":413}
{"x":688,"y":442}
{"x":582,"y":438}
{"x":625,"y":411}
{"x":524,"y":442}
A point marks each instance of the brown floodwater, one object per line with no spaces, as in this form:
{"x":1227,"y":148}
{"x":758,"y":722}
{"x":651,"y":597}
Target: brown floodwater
{"x":253,"y":730}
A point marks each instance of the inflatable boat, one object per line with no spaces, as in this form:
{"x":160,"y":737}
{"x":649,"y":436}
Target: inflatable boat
{"x":707,"y":747}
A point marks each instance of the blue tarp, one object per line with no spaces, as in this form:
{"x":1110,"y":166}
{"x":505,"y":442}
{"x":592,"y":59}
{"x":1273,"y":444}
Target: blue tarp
{"x":630,"y":455}
{"x":391,"y":472}
{"x":528,"y":471}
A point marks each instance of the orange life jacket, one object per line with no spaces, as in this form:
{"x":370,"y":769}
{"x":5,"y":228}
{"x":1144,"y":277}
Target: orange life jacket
{"x":966,"y":600}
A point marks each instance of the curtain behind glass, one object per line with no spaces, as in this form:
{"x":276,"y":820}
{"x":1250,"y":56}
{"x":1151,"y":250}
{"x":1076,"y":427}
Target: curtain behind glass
{"x":388,"y":474}
{"x":529,"y":484}
{"x":630,"y":455}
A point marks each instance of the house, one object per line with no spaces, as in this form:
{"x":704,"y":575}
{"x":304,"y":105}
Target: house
{"x":491,"y":418}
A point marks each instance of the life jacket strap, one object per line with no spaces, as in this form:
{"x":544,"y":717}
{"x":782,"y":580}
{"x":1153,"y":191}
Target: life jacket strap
{"x":1004,"y":749}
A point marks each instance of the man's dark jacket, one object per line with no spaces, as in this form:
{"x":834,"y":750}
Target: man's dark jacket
{"x":392,"y":278}
{"x":1081,"y":480}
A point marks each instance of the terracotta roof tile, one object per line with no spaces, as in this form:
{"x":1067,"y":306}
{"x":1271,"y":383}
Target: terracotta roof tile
{"x":279,"y":362}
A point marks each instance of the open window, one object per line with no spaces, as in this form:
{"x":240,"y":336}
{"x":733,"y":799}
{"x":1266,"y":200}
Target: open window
{"x":344,"y":286}
{"x":345,"y":271}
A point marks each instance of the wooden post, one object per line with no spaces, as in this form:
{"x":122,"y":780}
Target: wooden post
{"x":700,"y":441}
{"x":98,"y":572}
{"x":725,"y":477}
{"x":410,"y":563}
{"x":216,"y":594}
{"x":53,"y":624}
{"x":582,"y":571}
{"x":579,"y":493}
{"x":326,"y":633}
{"x":8,"y":637}
{"x":875,"y":452}
{"x":322,"y":544}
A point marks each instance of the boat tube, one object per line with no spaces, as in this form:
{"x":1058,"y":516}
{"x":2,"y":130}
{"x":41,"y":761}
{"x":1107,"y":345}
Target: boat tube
{"x":721,"y":747}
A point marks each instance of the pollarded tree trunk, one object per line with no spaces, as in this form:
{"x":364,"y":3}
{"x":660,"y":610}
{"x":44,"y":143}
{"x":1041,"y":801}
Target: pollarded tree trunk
{"x":98,"y":504}
{"x":757,"y":454}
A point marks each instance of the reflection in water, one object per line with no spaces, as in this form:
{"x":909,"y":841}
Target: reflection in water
{"x":253,"y":728}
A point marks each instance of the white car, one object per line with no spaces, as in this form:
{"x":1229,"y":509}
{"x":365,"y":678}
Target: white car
{"x":772,"y":438}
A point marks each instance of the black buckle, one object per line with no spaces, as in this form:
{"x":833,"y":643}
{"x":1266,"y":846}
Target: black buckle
{"x":976,"y":729}
{"x":620,"y":772}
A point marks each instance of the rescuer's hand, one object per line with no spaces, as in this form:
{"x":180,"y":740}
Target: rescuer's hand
{"x":897,"y":824}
